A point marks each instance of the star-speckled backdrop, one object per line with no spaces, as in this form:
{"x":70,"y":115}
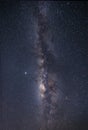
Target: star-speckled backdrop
{"x":44,"y":65}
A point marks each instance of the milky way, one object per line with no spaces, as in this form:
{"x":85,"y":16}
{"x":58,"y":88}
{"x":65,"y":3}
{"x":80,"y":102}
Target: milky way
{"x":46,"y":76}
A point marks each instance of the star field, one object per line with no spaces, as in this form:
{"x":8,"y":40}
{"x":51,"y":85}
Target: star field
{"x":25,"y":95}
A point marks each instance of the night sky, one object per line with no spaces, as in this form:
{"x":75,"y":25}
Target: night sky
{"x":44,"y":65}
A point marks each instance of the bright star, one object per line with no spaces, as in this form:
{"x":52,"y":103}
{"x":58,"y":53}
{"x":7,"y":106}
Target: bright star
{"x":25,"y":73}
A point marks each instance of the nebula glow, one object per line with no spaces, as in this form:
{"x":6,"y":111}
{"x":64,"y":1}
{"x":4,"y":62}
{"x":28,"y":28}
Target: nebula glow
{"x":42,"y":90}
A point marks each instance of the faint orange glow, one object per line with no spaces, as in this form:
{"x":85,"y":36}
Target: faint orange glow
{"x":42,"y":88}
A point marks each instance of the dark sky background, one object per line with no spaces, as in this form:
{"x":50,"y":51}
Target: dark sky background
{"x":68,"y":22}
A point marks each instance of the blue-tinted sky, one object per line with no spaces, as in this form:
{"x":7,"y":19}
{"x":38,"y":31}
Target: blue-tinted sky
{"x":67,"y":22}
